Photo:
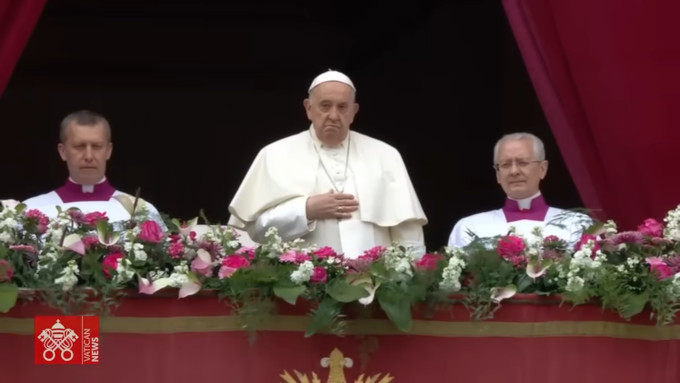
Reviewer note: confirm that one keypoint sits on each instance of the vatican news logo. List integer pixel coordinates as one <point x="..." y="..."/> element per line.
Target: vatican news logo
<point x="67" y="340"/>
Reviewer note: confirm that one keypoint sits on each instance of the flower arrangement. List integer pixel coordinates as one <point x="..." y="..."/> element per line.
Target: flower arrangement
<point x="83" y="263"/>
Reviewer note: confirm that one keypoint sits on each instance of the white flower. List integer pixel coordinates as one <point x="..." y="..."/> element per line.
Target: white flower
<point x="124" y="271"/>
<point x="451" y="273"/>
<point x="179" y="275"/>
<point x="6" y="237"/>
<point x="68" y="277"/>
<point x="610" y="228"/>
<point x="303" y="273"/>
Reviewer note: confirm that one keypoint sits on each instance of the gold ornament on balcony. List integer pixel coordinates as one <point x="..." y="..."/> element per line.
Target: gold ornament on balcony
<point x="336" y="362"/>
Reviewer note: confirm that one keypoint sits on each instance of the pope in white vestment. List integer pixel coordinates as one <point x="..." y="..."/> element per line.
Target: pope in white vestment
<point x="519" y="160"/>
<point x="288" y="174"/>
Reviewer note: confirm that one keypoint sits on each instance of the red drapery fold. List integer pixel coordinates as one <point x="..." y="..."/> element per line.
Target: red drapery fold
<point x="607" y="74"/>
<point x="17" y="21"/>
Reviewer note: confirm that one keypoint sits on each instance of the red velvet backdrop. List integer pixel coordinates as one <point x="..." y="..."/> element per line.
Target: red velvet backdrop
<point x="607" y="74"/>
<point x="17" y="20"/>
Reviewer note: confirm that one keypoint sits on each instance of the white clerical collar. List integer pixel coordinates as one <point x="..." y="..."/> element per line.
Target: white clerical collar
<point x="320" y="144"/>
<point x="87" y="188"/>
<point x="525" y="203"/>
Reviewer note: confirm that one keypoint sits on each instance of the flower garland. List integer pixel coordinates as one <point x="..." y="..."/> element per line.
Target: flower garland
<point x="66" y="258"/>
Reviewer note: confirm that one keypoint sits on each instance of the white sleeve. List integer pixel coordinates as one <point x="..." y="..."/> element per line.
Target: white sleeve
<point x="289" y="218"/>
<point x="459" y="236"/>
<point x="409" y="234"/>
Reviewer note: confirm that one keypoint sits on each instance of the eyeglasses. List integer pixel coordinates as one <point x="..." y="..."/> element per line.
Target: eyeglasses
<point x="521" y="164"/>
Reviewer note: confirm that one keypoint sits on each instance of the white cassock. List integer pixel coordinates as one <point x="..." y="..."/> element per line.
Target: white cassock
<point x="286" y="172"/>
<point x="102" y="197"/>
<point x="524" y="216"/>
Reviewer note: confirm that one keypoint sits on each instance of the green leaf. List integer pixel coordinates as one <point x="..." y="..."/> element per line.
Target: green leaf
<point x="21" y="207"/>
<point x="523" y="283"/>
<point x="289" y="294"/>
<point x="396" y="307"/>
<point x="361" y="279"/>
<point x="379" y="269"/>
<point x="636" y="303"/>
<point x="325" y="316"/>
<point x="342" y="291"/>
<point x="8" y="296"/>
<point x="177" y="223"/>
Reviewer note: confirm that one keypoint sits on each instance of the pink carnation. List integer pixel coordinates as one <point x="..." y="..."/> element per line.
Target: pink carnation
<point x="325" y="252"/>
<point x="511" y="246"/>
<point x="651" y="228"/>
<point x="39" y="219"/>
<point x="94" y="218"/>
<point x="585" y="238"/>
<point x="247" y="251"/>
<point x="176" y="250"/>
<point x="90" y="241"/>
<point x="374" y="253"/>
<point x="429" y="261"/>
<point x="231" y="264"/>
<point x="659" y="267"/>
<point x="294" y="257"/>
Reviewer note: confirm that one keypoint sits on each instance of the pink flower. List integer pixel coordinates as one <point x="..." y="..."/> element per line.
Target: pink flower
<point x="585" y="238"/>
<point x="511" y="246"/>
<point x="651" y="228"/>
<point x="247" y="251"/>
<point x="90" y="241"/>
<point x="325" y="252"/>
<point x="659" y="267"/>
<point x="319" y="275"/>
<point x="551" y="239"/>
<point x="6" y="271"/>
<point x="41" y="221"/>
<point x="231" y="264"/>
<point x="201" y="267"/>
<point x="151" y="232"/>
<point x="25" y="248"/>
<point x="373" y="253"/>
<point x="429" y="261"/>
<point x="111" y="262"/>
<point x="94" y="218"/>
<point x="214" y="248"/>
<point x="294" y="257"/>
<point x="176" y="250"/>
<point x="627" y="237"/>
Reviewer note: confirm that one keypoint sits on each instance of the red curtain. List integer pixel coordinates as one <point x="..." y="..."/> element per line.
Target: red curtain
<point x="17" y="20"/>
<point x="607" y="74"/>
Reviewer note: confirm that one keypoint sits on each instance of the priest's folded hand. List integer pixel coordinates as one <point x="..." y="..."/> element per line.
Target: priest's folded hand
<point x="331" y="205"/>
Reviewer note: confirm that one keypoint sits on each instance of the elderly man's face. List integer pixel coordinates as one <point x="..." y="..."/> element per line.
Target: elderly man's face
<point x="331" y="109"/>
<point x="518" y="170"/>
<point x="85" y="151"/>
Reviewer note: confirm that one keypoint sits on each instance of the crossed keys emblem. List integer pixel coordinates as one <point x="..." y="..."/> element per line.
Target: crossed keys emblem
<point x="58" y="338"/>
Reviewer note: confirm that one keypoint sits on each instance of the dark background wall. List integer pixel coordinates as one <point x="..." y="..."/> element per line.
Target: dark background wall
<point x="194" y="89"/>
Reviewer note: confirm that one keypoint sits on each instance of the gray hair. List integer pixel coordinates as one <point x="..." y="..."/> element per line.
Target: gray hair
<point x="83" y="118"/>
<point x="539" y="149"/>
